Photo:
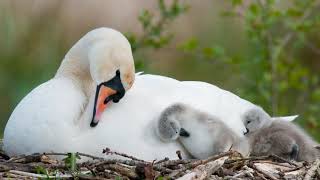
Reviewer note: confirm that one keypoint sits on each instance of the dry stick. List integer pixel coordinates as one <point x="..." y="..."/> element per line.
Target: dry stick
<point x="90" y="156"/>
<point x="312" y="170"/>
<point x="199" y="162"/>
<point x="176" y="162"/>
<point x="293" y="169"/>
<point x="244" y="173"/>
<point x="39" y="175"/>
<point x="26" y="158"/>
<point x="88" y="177"/>
<point x="162" y="169"/>
<point x="122" y="170"/>
<point x="284" y="160"/>
<point x="163" y="160"/>
<point x="108" y="151"/>
<point x="260" y="175"/>
<point x="114" y="161"/>
<point x="252" y="158"/>
<point x="204" y="171"/>
<point x="275" y="163"/>
<point x="80" y="154"/>
<point x="262" y="172"/>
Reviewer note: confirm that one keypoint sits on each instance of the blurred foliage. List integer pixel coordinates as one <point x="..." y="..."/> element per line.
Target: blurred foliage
<point x="275" y="73"/>
<point x="154" y="29"/>
<point x="25" y="50"/>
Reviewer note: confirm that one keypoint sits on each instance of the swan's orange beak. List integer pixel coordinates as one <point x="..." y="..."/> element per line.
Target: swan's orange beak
<point x="107" y="91"/>
<point x="102" y="99"/>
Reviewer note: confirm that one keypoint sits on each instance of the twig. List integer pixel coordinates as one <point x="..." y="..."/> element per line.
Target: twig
<point x="39" y="175"/>
<point x="275" y="163"/>
<point x="293" y="169"/>
<point x="114" y="161"/>
<point x="284" y="160"/>
<point x="176" y="162"/>
<point x="247" y="171"/>
<point x="260" y="175"/>
<point x="203" y="171"/>
<point x="121" y="170"/>
<point x="108" y="151"/>
<point x="90" y="156"/>
<point x="312" y="170"/>
<point x="161" y="161"/>
<point x="80" y="154"/>
<point x="262" y="172"/>
<point x="199" y="162"/>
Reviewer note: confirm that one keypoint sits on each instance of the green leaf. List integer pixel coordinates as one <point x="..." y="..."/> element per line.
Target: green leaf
<point x="189" y="45"/>
<point x="236" y="2"/>
<point x="118" y="178"/>
<point x="71" y="161"/>
<point x="228" y="14"/>
<point x="208" y="52"/>
<point x="42" y="170"/>
<point x="291" y="12"/>
<point x="315" y="95"/>
<point x="145" y="18"/>
<point x="162" y="7"/>
<point x="254" y="9"/>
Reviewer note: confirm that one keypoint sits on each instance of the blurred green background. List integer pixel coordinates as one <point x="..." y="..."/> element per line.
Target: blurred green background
<point x="265" y="51"/>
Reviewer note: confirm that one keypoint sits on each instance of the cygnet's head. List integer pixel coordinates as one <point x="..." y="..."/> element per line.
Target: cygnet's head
<point x="254" y="119"/>
<point x="111" y="65"/>
<point x="169" y="130"/>
<point x="169" y="127"/>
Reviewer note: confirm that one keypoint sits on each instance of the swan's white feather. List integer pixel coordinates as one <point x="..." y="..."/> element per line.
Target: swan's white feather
<point x="56" y="115"/>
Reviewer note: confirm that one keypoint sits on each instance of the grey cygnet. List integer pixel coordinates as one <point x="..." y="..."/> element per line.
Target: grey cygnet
<point x="278" y="137"/>
<point x="202" y="135"/>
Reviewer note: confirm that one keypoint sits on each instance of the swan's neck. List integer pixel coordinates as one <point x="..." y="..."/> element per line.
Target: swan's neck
<point x="77" y="69"/>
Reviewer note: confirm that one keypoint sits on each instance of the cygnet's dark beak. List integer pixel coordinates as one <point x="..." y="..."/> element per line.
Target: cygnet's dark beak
<point x="294" y="152"/>
<point x="247" y="131"/>
<point x="184" y="133"/>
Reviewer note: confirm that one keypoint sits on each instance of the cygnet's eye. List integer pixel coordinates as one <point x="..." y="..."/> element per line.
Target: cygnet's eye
<point x="248" y="122"/>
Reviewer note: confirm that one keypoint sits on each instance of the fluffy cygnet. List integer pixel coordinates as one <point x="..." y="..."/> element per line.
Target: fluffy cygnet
<point x="278" y="137"/>
<point x="201" y="134"/>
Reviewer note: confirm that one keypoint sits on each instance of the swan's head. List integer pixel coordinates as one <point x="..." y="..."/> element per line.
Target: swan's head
<point x="111" y="68"/>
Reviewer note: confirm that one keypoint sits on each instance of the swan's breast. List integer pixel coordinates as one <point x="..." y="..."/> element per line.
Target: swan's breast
<point x="44" y="119"/>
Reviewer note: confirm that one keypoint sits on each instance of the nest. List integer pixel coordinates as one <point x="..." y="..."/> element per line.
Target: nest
<point x="228" y="165"/>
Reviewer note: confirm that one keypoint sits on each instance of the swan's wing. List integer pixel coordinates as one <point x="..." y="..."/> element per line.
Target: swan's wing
<point x="218" y="102"/>
<point x="139" y="73"/>
<point x="286" y="118"/>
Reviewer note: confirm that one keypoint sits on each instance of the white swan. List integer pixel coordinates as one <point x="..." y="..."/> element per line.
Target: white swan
<point x="56" y="116"/>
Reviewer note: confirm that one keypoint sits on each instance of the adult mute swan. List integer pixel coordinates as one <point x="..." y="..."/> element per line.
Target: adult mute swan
<point x="79" y="109"/>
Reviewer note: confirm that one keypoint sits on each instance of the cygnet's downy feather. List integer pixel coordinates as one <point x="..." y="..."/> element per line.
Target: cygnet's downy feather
<point x="278" y="137"/>
<point x="202" y="135"/>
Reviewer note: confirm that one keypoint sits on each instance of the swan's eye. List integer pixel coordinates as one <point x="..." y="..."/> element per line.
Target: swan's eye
<point x="248" y="122"/>
<point x="118" y="72"/>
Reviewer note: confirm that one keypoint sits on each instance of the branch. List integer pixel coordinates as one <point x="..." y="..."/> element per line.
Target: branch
<point x="312" y="171"/>
<point x="204" y="171"/>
